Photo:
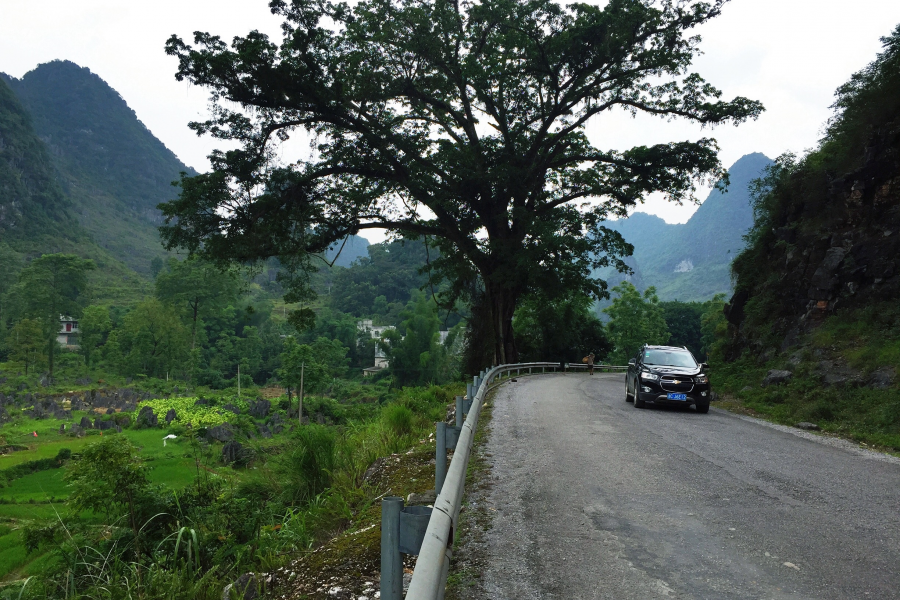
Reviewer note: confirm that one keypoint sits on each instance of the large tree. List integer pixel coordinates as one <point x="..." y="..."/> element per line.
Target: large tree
<point x="460" y="122"/>
<point x="51" y="287"/>
<point x="197" y="288"/>
<point x="634" y="320"/>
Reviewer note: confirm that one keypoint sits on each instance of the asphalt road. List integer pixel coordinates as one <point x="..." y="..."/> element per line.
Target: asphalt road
<point x="593" y="498"/>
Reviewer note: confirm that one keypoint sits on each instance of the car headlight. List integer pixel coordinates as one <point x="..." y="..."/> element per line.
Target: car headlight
<point x="649" y="376"/>
<point x="701" y="379"/>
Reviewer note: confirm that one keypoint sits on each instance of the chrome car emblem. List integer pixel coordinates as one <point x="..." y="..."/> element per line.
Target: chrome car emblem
<point x="676" y="382"/>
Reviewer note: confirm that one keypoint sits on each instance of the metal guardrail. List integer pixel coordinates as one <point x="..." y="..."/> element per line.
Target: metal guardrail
<point x="402" y="527"/>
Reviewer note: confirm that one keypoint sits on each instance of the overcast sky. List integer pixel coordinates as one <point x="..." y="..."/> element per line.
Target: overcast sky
<point x="790" y="54"/>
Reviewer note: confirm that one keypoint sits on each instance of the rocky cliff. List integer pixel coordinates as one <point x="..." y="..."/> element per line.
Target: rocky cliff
<point x="826" y="237"/>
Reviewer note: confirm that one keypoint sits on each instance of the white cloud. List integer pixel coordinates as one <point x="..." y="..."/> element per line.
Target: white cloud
<point x="790" y="54"/>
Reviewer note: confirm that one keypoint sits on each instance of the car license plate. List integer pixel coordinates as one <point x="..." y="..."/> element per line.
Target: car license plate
<point x="677" y="396"/>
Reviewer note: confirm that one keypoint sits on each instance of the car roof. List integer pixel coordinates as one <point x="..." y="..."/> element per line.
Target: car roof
<point x="667" y="348"/>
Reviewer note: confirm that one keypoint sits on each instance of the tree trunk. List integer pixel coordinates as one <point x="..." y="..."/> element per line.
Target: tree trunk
<point x="50" y="349"/>
<point x="503" y="305"/>
<point x="196" y="307"/>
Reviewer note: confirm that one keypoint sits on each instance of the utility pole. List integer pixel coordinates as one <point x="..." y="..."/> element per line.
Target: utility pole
<point x="300" y="406"/>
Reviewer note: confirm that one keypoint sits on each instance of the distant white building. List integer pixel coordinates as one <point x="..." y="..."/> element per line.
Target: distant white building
<point x="376" y="332"/>
<point x="68" y="332"/>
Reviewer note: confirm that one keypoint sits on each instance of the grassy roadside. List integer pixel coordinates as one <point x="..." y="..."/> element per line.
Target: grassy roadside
<point x="843" y="379"/>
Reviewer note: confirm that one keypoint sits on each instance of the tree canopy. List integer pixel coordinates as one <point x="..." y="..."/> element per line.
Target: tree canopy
<point x="635" y="319"/>
<point x="463" y="123"/>
<point x="51" y="287"/>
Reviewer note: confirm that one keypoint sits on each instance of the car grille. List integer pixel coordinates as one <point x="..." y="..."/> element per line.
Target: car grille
<point x="676" y="384"/>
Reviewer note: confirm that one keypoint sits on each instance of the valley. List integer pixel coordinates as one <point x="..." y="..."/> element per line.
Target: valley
<point x="211" y="379"/>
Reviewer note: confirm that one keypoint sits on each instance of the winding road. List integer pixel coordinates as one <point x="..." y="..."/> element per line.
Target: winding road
<point x="593" y="498"/>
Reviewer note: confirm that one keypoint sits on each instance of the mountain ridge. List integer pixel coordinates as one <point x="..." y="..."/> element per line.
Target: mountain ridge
<point x="691" y="261"/>
<point x="111" y="166"/>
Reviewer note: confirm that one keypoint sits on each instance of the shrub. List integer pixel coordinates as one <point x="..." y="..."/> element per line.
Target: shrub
<point x="306" y="465"/>
<point x="398" y="418"/>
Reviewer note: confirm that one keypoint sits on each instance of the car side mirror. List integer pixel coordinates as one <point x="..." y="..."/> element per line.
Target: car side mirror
<point x="704" y="366"/>
<point x="631" y="362"/>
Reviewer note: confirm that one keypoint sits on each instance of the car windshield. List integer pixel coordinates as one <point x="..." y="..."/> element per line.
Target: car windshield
<point x="669" y="358"/>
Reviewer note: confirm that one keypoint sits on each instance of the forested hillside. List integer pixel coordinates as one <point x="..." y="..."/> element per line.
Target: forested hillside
<point x="817" y="286"/>
<point x="31" y="201"/>
<point x="691" y="261"/>
<point x="111" y="167"/>
<point x="37" y="216"/>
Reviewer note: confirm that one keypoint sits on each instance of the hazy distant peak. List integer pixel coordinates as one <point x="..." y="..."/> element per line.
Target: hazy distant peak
<point x="747" y="168"/>
<point x="646" y="219"/>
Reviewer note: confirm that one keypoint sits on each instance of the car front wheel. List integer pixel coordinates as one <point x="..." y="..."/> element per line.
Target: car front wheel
<point x="638" y="403"/>
<point x="702" y="407"/>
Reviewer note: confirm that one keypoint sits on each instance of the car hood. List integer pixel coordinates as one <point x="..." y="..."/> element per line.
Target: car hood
<point x="691" y="371"/>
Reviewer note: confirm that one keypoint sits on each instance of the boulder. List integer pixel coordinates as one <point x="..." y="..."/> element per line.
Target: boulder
<point x="232" y="408"/>
<point x="426" y="497"/>
<point x="246" y="587"/>
<point x="234" y="453"/>
<point x="835" y="374"/>
<point x="76" y="430"/>
<point x="170" y="416"/>
<point x="85" y="423"/>
<point x="825" y="278"/>
<point x="231" y="452"/>
<point x="260" y="409"/>
<point x="807" y="426"/>
<point x="147" y="418"/>
<point x="776" y="377"/>
<point x="220" y="433"/>
<point x="882" y="378"/>
<point x="106" y="425"/>
<point x="276" y="423"/>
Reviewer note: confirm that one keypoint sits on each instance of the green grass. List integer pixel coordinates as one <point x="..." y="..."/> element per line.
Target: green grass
<point x="864" y="340"/>
<point x="12" y="553"/>
<point x="30" y="512"/>
<point x="39" y="487"/>
<point x="859" y="413"/>
<point x="403" y="424"/>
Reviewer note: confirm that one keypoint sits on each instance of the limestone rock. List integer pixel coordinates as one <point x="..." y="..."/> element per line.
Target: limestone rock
<point x="260" y="409"/>
<point x="220" y="433"/>
<point x="882" y="378"/>
<point x="776" y="377"/>
<point x="427" y="497"/>
<point x="147" y="418"/>
<point x="246" y="587"/>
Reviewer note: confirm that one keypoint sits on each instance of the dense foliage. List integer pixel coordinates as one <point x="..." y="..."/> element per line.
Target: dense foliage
<point x="635" y="319"/>
<point x="439" y="120"/>
<point x="830" y="197"/>
<point x="32" y="202"/>
<point x="113" y="170"/>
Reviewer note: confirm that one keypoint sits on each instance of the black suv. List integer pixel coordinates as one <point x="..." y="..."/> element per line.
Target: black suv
<point x="667" y="375"/>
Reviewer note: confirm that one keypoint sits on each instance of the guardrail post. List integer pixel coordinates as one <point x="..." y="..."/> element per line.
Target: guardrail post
<point x="440" y="457"/>
<point x="459" y="411"/>
<point x="391" y="561"/>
